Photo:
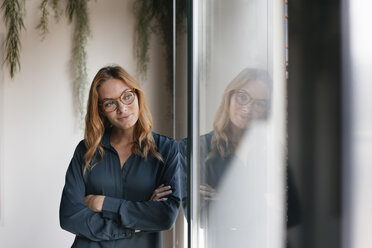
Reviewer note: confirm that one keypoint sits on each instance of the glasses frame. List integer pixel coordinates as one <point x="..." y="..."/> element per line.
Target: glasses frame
<point x="117" y="99"/>
<point x="250" y="101"/>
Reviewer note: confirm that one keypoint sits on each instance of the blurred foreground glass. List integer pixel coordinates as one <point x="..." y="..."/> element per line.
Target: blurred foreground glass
<point x="237" y="192"/>
<point x="357" y="124"/>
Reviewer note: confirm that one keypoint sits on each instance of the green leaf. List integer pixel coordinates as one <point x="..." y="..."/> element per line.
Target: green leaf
<point x="13" y="18"/>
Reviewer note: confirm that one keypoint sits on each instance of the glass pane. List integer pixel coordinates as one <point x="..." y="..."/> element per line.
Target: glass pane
<point x="357" y="123"/>
<point x="238" y="161"/>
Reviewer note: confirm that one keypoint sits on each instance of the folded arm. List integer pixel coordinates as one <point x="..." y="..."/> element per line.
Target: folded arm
<point x="150" y="215"/>
<point x="76" y="217"/>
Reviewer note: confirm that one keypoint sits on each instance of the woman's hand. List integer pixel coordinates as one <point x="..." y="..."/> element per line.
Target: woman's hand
<point x="94" y="202"/>
<point x="160" y="193"/>
<point x="208" y="192"/>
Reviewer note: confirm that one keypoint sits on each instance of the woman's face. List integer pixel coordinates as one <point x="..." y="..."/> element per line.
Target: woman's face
<point x="115" y="91"/>
<point x="248" y="104"/>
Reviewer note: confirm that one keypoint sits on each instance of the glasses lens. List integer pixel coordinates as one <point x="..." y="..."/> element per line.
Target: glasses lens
<point x="110" y="105"/>
<point x="127" y="97"/>
<point x="242" y="98"/>
<point x="260" y="105"/>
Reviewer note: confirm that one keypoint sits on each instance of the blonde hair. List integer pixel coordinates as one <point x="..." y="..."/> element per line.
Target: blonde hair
<point x="96" y="123"/>
<point x="221" y="141"/>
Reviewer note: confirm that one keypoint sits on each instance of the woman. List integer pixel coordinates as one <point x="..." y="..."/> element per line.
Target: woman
<point x="121" y="186"/>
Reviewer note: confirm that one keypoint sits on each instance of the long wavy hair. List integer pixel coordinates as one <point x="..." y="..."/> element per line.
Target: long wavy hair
<point x="222" y="126"/>
<point x="96" y="123"/>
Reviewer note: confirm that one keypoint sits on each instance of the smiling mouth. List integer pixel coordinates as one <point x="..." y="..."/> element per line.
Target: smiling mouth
<point x="245" y="116"/>
<point x="124" y="117"/>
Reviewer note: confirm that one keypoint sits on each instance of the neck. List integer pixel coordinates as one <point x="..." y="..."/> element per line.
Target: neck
<point x="120" y="136"/>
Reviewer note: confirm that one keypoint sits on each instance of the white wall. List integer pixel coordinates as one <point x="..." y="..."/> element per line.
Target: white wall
<point x="39" y="129"/>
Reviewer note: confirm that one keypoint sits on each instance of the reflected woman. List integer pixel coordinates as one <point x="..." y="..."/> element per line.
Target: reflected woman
<point x="121" y="186"/>
<point x="233" y="163"/>
<point x="245" y="100"/>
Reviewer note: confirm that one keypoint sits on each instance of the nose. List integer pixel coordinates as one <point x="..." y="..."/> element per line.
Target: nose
<point x="247" y="108"/>
<point x="122" y="107"/>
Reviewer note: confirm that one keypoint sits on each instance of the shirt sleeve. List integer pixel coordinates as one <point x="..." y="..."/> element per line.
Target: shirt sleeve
<point x="76" y="217"/>
<point x="151" y="215"/>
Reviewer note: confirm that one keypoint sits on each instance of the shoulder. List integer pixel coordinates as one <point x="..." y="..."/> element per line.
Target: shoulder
<point x="77" y="161"/>
<point x="206" y="143"/>
<point x="80" y="149"/>
<point x="207" y="138"/>
<point x="164" y="144"/>
<point x="203" y="139"/>
<point x="162" y="139"/>
<point x="81" y="146"/>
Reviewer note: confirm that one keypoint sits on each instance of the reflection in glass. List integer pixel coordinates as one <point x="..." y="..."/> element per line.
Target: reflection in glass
<point x="233" y="163"/>
<point x="237" y="157"/>
<point x="235" y="198"/>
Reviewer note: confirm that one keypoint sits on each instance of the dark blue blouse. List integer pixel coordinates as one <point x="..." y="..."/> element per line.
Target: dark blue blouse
<point x="126" y="207"/>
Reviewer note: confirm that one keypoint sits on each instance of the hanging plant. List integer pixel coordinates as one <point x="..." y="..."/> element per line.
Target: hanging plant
<point x="13" y="18"/>
<point x="143" y="11"/>
<point x="77" y="10"/>
<point x="153" y="16"/>
<point x="43" y="24"/>
<point x="44" y="19"/>
<point x="156" y="16"/>
<point x="56" y="8"/>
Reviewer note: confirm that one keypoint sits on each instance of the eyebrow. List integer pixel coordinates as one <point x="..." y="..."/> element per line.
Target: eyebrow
<point x="128" y="89"/>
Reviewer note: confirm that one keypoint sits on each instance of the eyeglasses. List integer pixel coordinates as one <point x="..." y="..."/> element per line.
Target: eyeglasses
<point x="243" y="98"/>
<point x="127" y="98"/>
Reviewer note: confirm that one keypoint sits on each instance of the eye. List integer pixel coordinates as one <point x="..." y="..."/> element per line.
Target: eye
<point x="127" y="97"/>
<point x="108" y="104"/>
<point x="242" y="98"/>
<point x="260" y="104"/>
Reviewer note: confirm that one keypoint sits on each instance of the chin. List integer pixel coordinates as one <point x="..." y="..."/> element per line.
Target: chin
<point x="243" y="126"/>
<point x="129" y="126"/>
<point x="240" y="125"/>
<point x="125" y="126"/>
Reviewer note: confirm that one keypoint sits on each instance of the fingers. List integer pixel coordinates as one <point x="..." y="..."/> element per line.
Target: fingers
<point x="94" y="202"/>
<point x="160" y="193"/>
<point x="159" y="196"/>
<point x="207" y="192"/>
<point x="165" y="193"/>
<point x="161" y="189"/>
<point x="206" y="189"/>
<point x="87" y="199"/>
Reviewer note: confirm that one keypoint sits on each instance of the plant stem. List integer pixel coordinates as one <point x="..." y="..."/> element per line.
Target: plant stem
<point x="13" y="18"/>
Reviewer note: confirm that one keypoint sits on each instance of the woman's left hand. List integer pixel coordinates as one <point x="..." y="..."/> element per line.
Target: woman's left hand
<point x="160" y="193"/>
<point x="94" y="202"/>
